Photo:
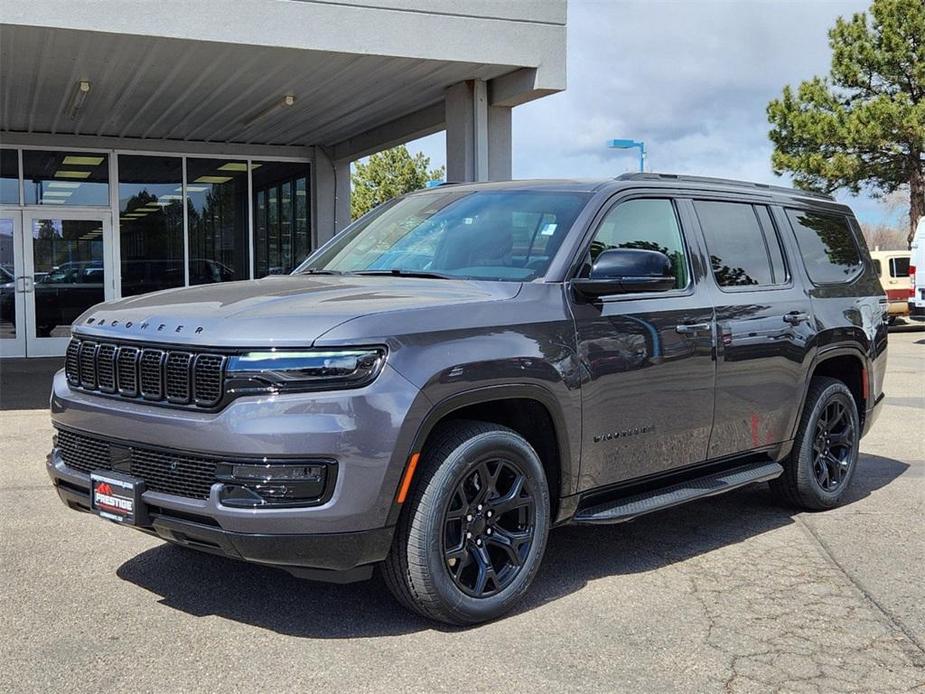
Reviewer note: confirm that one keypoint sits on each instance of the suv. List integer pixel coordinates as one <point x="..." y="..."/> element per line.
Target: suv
<point x="468" y="366"/>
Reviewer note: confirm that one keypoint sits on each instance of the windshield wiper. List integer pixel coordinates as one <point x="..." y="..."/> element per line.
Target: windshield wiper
<point x="396" y="272"/>
<point x="316" y="271"/>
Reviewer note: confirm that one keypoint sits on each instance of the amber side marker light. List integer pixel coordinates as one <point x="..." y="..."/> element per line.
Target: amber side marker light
<point x="406" y="479"/>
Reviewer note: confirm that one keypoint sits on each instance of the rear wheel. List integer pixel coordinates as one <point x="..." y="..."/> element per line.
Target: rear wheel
<point x="473" y="533"/>
<point x="825" y="451"/>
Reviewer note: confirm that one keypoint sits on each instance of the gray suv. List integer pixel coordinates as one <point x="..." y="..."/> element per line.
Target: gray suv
<point x="469" y="366"/>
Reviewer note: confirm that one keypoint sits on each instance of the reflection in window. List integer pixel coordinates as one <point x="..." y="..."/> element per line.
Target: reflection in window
<point x="740" y="253"/>
<point x="7" y="281"/>
<point x="648" y="224"/>
<point x="9" y="177"/>
<point x="150" y="223"/>
<point x="65" y="178"/>
<point x="281" y="231"/>
<point x="69" y="276"/>
<point x="827" y="245"/>
<point x="217" y="208"/>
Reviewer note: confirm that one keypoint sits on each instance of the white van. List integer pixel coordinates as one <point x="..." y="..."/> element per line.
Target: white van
<point x="893" y="269"/>
<point x="917" y="273"/>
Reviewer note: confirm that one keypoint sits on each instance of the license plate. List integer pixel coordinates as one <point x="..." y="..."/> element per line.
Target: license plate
<point x="117" y="497"/>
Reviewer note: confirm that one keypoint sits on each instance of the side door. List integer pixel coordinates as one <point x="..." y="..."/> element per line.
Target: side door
<point x="764" y="322"/>
<point x="646" y="358"/>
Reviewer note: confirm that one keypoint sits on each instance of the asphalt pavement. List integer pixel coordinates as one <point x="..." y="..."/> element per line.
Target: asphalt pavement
<point x="732" y="594"/>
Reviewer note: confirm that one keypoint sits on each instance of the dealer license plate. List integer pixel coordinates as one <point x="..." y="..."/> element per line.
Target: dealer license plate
<point x="117" y="497"/>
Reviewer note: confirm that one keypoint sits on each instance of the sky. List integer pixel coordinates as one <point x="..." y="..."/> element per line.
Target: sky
<point x="691" y="78"/>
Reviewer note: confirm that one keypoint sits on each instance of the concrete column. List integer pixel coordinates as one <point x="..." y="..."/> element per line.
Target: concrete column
<point x="499" y="143"/>
<point x="467" y="131"/>
<point x="330" y="196"/>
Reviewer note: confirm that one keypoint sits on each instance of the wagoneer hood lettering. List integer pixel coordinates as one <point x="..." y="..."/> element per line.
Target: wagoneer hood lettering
<point x="290" y="310"/>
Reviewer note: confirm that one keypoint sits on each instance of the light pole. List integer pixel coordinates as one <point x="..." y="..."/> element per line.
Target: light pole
<point x="631" y="144"/>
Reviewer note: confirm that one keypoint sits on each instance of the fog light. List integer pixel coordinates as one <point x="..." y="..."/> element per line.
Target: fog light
<point x="274" y="484"/>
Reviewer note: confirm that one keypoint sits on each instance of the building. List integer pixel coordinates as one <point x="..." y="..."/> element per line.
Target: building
<point x="154" y="145"/>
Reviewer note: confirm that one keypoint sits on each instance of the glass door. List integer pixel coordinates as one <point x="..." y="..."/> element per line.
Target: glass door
<point x="68" y="266"/>
<point x="12" y="285"/>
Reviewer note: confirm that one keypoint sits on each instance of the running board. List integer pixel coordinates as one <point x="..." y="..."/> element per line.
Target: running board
<point x="630" y="507"/>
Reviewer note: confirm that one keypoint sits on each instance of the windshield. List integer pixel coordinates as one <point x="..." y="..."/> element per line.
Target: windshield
<point x="488" y="235"/>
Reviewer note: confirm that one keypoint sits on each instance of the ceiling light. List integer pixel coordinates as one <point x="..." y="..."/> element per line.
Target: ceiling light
<point x="72" y="174"/>
<point x="286" y="102"/>
<point x="56" y="193"/>
<point x="74" y="160"/>
<point x="62" y="184"/>
<point x="81" y="92"/>
<point x="171" y="197"/>
<point x="213" y="179"/>
<point x="233" y="166"/>
<point x="197" y="189"/>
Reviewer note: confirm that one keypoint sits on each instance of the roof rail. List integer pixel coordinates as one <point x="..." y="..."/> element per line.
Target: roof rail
<point x="683" y="178"/>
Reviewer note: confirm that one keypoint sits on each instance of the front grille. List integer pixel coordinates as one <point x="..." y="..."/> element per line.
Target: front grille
<point x="156" y="375"/>
<point x="169" y="472"/>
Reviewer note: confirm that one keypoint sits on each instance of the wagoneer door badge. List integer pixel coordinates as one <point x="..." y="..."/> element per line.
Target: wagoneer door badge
<point x="635" y="431"/>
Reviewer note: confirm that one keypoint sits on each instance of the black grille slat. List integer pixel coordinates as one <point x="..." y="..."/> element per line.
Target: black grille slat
<point x="106" y="368"/>
<point x="88" y="365"/>
<point x="177" y="377"/>
<point x="72" y="362"/>
<point x="155" y="375"/>
<point x="127" y="369"/>
<point x="207" y="379"/>
<point x="166" y="472"/>
<point x="151" y="374"/>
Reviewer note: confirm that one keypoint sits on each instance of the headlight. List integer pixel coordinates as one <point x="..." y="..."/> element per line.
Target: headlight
<point x="279" y="370"/>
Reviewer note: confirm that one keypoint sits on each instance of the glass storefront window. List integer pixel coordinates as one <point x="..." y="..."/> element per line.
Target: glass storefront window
<point x="281" y="231"/>
<point x="217" y="220"/>
<point x="65" y="178"/>
<point x="7" y="281"/>
<point x="9" y="177"/>
<point x="69" y="274"/>
<point x="150" y="223"/>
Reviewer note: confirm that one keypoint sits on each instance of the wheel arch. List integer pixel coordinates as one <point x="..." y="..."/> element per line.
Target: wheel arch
<point x="530" y="410"/>
<point x="846" y="363"/>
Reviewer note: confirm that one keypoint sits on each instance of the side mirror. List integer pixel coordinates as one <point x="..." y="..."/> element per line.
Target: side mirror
<point x="626" y="270"/>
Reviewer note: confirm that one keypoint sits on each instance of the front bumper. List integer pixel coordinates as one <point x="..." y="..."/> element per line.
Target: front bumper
<point x="366" y="432"/>
<point x="917" y="311"/>
<point x="334" y="557"/>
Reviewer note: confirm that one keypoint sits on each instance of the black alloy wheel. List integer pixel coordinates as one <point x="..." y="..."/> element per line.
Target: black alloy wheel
<point x="488" y="528"/>
<point x="473" y="530"/>
<point x="833" y="445"/>
<point x="822" y="462"/>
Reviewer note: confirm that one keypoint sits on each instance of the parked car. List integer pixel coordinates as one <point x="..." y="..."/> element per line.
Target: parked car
<point x="469" y="366"/>
<point x="893" y="269"/>
<point x="917" y="272"/>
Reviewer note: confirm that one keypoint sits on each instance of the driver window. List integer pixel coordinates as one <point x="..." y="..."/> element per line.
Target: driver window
<point x="650" y="224"/>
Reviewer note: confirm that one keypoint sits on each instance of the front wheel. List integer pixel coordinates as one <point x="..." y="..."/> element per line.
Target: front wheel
<point x="825" y="452"/>
<point x="471" y="538"/>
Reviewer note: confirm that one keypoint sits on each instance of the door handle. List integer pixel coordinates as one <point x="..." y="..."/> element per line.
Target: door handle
<point x="26" y="286"/>
<point x="688" y="328"/>
<point x="796" y="317"/>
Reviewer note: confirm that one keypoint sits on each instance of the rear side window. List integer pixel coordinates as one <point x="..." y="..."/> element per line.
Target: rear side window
<point x="878" y="267"/>
<point x="899" y="267"/>
<point x="744" y="248"/>
<point x="830" y="251"/>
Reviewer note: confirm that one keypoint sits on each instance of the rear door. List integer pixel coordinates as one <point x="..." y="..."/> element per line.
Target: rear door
<point x="764" y="323"/>
<point x="646" y="358"/>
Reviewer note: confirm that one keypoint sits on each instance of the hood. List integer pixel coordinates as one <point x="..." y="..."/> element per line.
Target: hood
<point x="292" y="310"/>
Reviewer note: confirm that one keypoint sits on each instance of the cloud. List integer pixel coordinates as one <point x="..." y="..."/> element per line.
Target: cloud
<point x="690" y="78"/>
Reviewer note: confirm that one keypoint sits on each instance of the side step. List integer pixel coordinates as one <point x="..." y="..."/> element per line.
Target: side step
<point x="630" y="507"/>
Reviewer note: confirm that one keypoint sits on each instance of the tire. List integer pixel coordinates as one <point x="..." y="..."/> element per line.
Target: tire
<point x="422" y="570"/>
<point x="803" y="483"/>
